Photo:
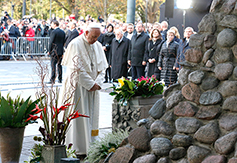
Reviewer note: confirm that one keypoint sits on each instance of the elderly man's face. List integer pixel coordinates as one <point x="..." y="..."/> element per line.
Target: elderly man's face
<point x="118" y="35"/>
<point x="92" y="35"/>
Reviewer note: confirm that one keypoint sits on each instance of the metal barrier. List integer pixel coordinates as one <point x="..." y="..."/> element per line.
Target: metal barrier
<point x="8" y="46"/>
<point x="24" y="46"/>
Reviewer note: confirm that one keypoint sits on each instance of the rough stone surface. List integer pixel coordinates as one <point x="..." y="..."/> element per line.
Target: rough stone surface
<point x="215" y="159"/>
<point x="230" y="104"/>
<point x="208" y="112"/>
<point x="232" y="160"/>
<point x="235" y="72"/>
<point x="187" y="125"/>
<point x="209" y="82"/>
<point x="222" y="55"/>
<point x="234" y="49"/>
<point x="228" y="88"/>
<point x="182" y="140"/>
<point x="183" y="76"/>
<point x="171" y="89"/>
<point x="177" y="153"/>
<point x="185" y="109"/>
<point x="196" y="76"/>
<point x="122" y="154"/>
<point x="174" y="99"/>
<point x="209" y="64"/>
<point x="207" y="24"/>
<point x="229" y="21"/>
<point x="228" y="6"/>
<point x="140" y="138"/>
<point x="225" y="144"/>
<point x="151" y="158"/>
<point x="210" y="98"/>
<point x="161" y="146"/>
<point x="164" y="160"/>
<point x="214" y="4"/>
<point x="209" y="41"/>
<point x="207" y="55"/>
<point x="196" y="40"/>
<point x="223" y="71"/>
<point x="158" y="109"/>
<point x="191" y="92"/>
<point x="168" y="117"/>
<point x="208" y="133"/>
<point x="161" y="127"/>
<point x="228" y="121"/>
<point x="196" y="154"/>
<point x="193" y="55"/>
<point x="183" y="161"/>
<point x="226" y="38"/>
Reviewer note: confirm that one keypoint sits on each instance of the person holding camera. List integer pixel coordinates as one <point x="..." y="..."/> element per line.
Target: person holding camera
<point x="29" y="34"/>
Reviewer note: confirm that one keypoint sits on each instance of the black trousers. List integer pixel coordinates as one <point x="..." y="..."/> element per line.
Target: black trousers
<point x="108" y="74"/>
<point x="56" y="61"/>
<point x="137" y="72"/>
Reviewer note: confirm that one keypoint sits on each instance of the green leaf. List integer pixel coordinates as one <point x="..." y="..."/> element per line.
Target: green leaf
<point x="5" y="113"/>
<point x="113" y="93"/>
<point x="21" y="112"/>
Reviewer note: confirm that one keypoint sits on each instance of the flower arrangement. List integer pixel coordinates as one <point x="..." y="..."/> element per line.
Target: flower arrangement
<point x="144" y="87"/>
<point x="55" y="126"/>
<point x="101" y="148"/>
<point x="56" y="119"/>
<point x="15" y="112"/>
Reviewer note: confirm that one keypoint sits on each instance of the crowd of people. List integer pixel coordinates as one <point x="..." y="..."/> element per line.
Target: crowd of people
<point x="131" y="49"/>
<point x="96" y="53"/>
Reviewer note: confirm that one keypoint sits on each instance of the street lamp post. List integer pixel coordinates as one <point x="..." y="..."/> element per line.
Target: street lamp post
<point x="184" y="5"/>
<point x="146" y="12"/>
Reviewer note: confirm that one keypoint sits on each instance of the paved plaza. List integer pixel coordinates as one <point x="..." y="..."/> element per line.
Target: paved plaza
<point x="19" y="77"/>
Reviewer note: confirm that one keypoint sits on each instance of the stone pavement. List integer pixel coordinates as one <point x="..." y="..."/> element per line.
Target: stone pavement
<point x="20" y="78"/>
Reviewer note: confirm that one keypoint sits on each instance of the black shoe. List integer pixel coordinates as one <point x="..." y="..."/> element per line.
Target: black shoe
<point x="60" y="81"/>
<point x="50" y="82"/>
<point x="106" y="81"/>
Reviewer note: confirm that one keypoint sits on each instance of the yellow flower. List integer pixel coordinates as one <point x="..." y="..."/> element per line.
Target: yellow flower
<point x="111" y="150"/>
<point x="121" y="81"/>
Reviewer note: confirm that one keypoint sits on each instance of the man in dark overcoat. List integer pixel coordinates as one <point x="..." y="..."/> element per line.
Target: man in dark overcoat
<point x="120" y="48"/>
<point x="139" y="50"/>
<point x="73" y="33"/>
<point x="56" y="43"/>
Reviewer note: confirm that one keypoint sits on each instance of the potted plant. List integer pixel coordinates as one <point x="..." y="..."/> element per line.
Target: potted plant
<point x="133" y="100"/>
<point x="56" y="119"/>
<point x="144" y="87"/>
<point x="13" y="119"/>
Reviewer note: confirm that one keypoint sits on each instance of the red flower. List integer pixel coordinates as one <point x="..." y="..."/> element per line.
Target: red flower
<point x="65" y="106"/>
<point x="32" y="117"/>
<point x="41" y="116"/>
<point x="77" y="114"/>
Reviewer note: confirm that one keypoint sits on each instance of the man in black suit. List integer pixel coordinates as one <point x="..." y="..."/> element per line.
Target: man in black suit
<point x="56" y="43"/>
<point x="139" y="50"/>
<point x="73" y="33"/>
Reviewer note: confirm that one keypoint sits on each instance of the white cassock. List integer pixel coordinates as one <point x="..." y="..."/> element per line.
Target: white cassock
<point x="86" y="65"/>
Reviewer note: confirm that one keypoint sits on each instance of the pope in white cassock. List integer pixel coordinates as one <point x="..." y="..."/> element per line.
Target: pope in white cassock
<point x="86" y="64"/>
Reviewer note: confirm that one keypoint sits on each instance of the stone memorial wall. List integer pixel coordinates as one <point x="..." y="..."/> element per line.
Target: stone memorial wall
<point x="196" y="120"/>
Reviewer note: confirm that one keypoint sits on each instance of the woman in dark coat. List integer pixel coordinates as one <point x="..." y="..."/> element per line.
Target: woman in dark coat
<point x="167" y="58"/>
<point x="154" y="46"/>
<point x="106" y="43"/>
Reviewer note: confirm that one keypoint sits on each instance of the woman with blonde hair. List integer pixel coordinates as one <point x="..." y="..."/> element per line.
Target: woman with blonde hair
<point x="154" y="45"/>
<point x="167" y="58"/>
<point x="176" y="35"/>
